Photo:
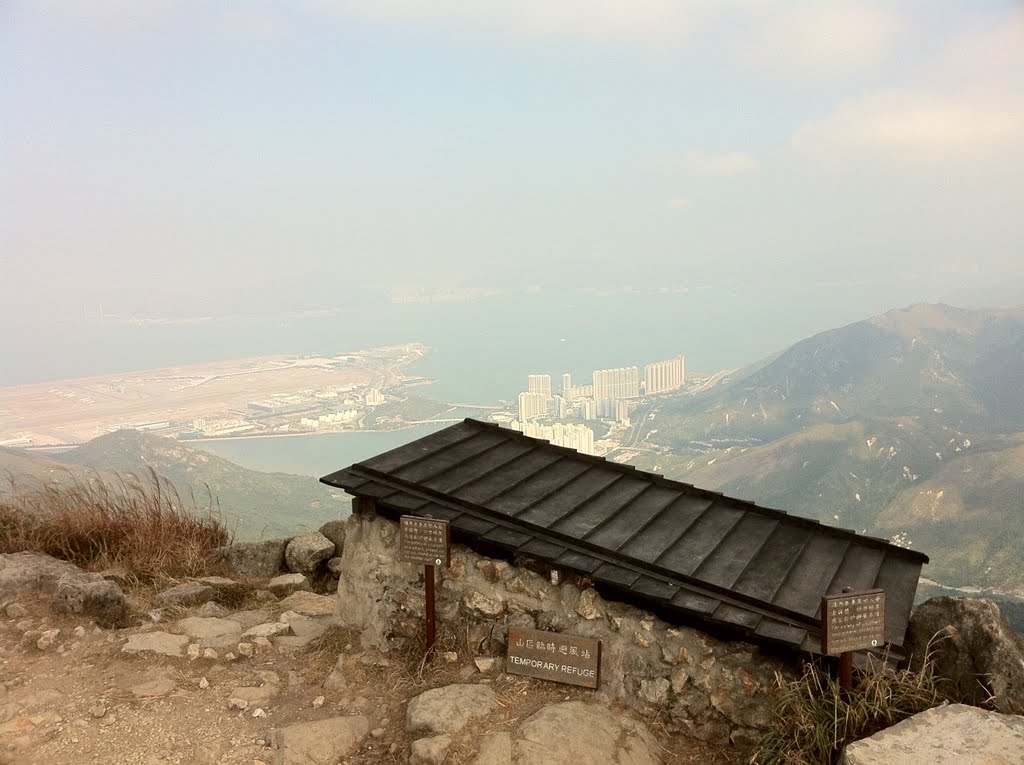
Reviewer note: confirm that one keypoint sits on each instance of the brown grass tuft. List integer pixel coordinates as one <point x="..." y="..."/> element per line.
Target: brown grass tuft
<point x="815" y="719"/>
<point x="141" y="526"/>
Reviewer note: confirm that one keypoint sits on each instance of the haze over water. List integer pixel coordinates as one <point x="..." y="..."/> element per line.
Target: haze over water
<point x="482" y="351"/>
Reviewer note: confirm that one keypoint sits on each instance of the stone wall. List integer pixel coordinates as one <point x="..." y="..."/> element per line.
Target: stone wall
<point x="708" y="688"/>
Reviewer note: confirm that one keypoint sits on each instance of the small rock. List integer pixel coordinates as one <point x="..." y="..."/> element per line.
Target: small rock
<point x="246" y="649"/>
<point x="249" y="619"/>
<point x="47" y="639"/>
<point x="187" y="594"/>
<point x="286" y="584"/>
<point x="336" y="681"/>
<point x="430" y="751"/>
<point x="654" y="691"/>
<point x="450" y="656"/>
<point x="16" y="611"/>
<point x="310" y="604"/>
<point x="79" y="631"/>
<point x="258" y="712"/>
<point x="318" y="702"/>
<point x="97" y="710"/>
<point x="208" y="627"/>
<point x="193" y="651"/>
<point x="477" y="603"/>
<point x="162" y="643"/>
<point x="377" y="732"/>
<point x="159" y="686"/>
<point x="268" y="630"/>
<point x="243" y="698"/>
<point x="209" y="653"/>
<point x="587" y="604"/>
<point x="487" y="663"/>
<point x="212" y="609"/>
<point x="227" y="589"/>
<point x="204" y="683"/>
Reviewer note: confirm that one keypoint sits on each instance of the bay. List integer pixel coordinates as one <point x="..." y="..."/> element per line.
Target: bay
<point x="312" y="455"/>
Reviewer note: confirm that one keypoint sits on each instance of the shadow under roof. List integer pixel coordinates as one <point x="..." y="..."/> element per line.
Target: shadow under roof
<point x="692" y="555"/>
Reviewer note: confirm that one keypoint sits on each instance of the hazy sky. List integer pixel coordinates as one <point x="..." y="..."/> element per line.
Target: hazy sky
<point x="160" y="156"/>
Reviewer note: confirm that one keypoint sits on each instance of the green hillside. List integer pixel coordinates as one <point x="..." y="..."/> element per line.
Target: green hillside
<point x="907" y="426"/>
<point x="254" y="504"/>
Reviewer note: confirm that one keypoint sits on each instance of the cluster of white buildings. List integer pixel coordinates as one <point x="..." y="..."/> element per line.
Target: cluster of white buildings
<point x="606" y="397"/>
<point x="571" y="435"/>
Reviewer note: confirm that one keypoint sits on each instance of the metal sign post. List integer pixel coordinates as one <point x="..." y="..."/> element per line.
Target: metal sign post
<point x="851" y="621"/>
<point x="426" y="541"/>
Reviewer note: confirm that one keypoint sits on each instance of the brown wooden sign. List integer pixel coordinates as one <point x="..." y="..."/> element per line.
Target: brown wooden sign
<point x="852" y="621"/>
<point x="554" y="656"/>
<point x="425" y="541"/>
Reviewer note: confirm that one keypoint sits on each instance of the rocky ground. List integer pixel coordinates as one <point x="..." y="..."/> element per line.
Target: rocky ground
<point x="231" y="673"/>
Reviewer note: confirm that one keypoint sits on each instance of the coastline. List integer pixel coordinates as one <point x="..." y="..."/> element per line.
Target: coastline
<point x="262" y="436"/>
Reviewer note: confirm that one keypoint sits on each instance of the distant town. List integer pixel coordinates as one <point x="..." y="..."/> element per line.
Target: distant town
<point x="609" y="397"/>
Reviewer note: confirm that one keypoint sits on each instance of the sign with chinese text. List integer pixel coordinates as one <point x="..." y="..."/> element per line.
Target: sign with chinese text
<point x="554" y="656"/>
<point x="423" y="540"/>
<point x="852" y="621"/>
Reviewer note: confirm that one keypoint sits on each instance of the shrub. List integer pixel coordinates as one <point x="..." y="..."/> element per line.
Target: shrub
<point x="814" y="719"/>
<point x="142" y="526"/>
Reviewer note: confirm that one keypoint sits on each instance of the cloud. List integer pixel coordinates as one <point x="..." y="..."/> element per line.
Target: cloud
<point x="966" y="106"/>
<point x="912" y="127"/>
<point x="818" y="41"/>
<point x="717" y="165"/>
<point x="622" y="21"/>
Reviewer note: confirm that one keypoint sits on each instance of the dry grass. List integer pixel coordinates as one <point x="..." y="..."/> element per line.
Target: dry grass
<point x="815" y="719"/>
<point x="141" y="526"/>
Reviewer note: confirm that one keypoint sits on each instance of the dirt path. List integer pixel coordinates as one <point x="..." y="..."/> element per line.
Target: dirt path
<point x="79" y="699"/>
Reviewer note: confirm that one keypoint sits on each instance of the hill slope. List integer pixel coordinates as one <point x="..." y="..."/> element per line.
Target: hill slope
<point x="254" y="504"/>
<point x="908" y="426"/>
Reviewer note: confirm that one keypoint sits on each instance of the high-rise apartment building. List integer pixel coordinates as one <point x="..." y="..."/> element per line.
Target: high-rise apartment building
<point x="540" y="384"/>
<point x="567" y="386"/>
<point x="623" y="382"/>
<point x="662" y="376"/>
<point x="532" y="406"/>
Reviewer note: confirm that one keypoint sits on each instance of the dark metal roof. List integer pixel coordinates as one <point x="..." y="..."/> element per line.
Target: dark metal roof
<point x="685" y="552"/>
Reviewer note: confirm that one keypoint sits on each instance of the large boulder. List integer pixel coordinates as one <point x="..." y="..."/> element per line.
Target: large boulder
<point x="335" y="531"/>
<point x="950" y="735"/>
<point x="92" y="595"/>
<point x="260" y="559"/>
<point x="323" y="742"/>
<point x="975" y="651"/>
<point x="24" y="572"/>
<point x="304" y="554"/>
<point x="574" y="732"/>
<point x="448" y="709"/>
